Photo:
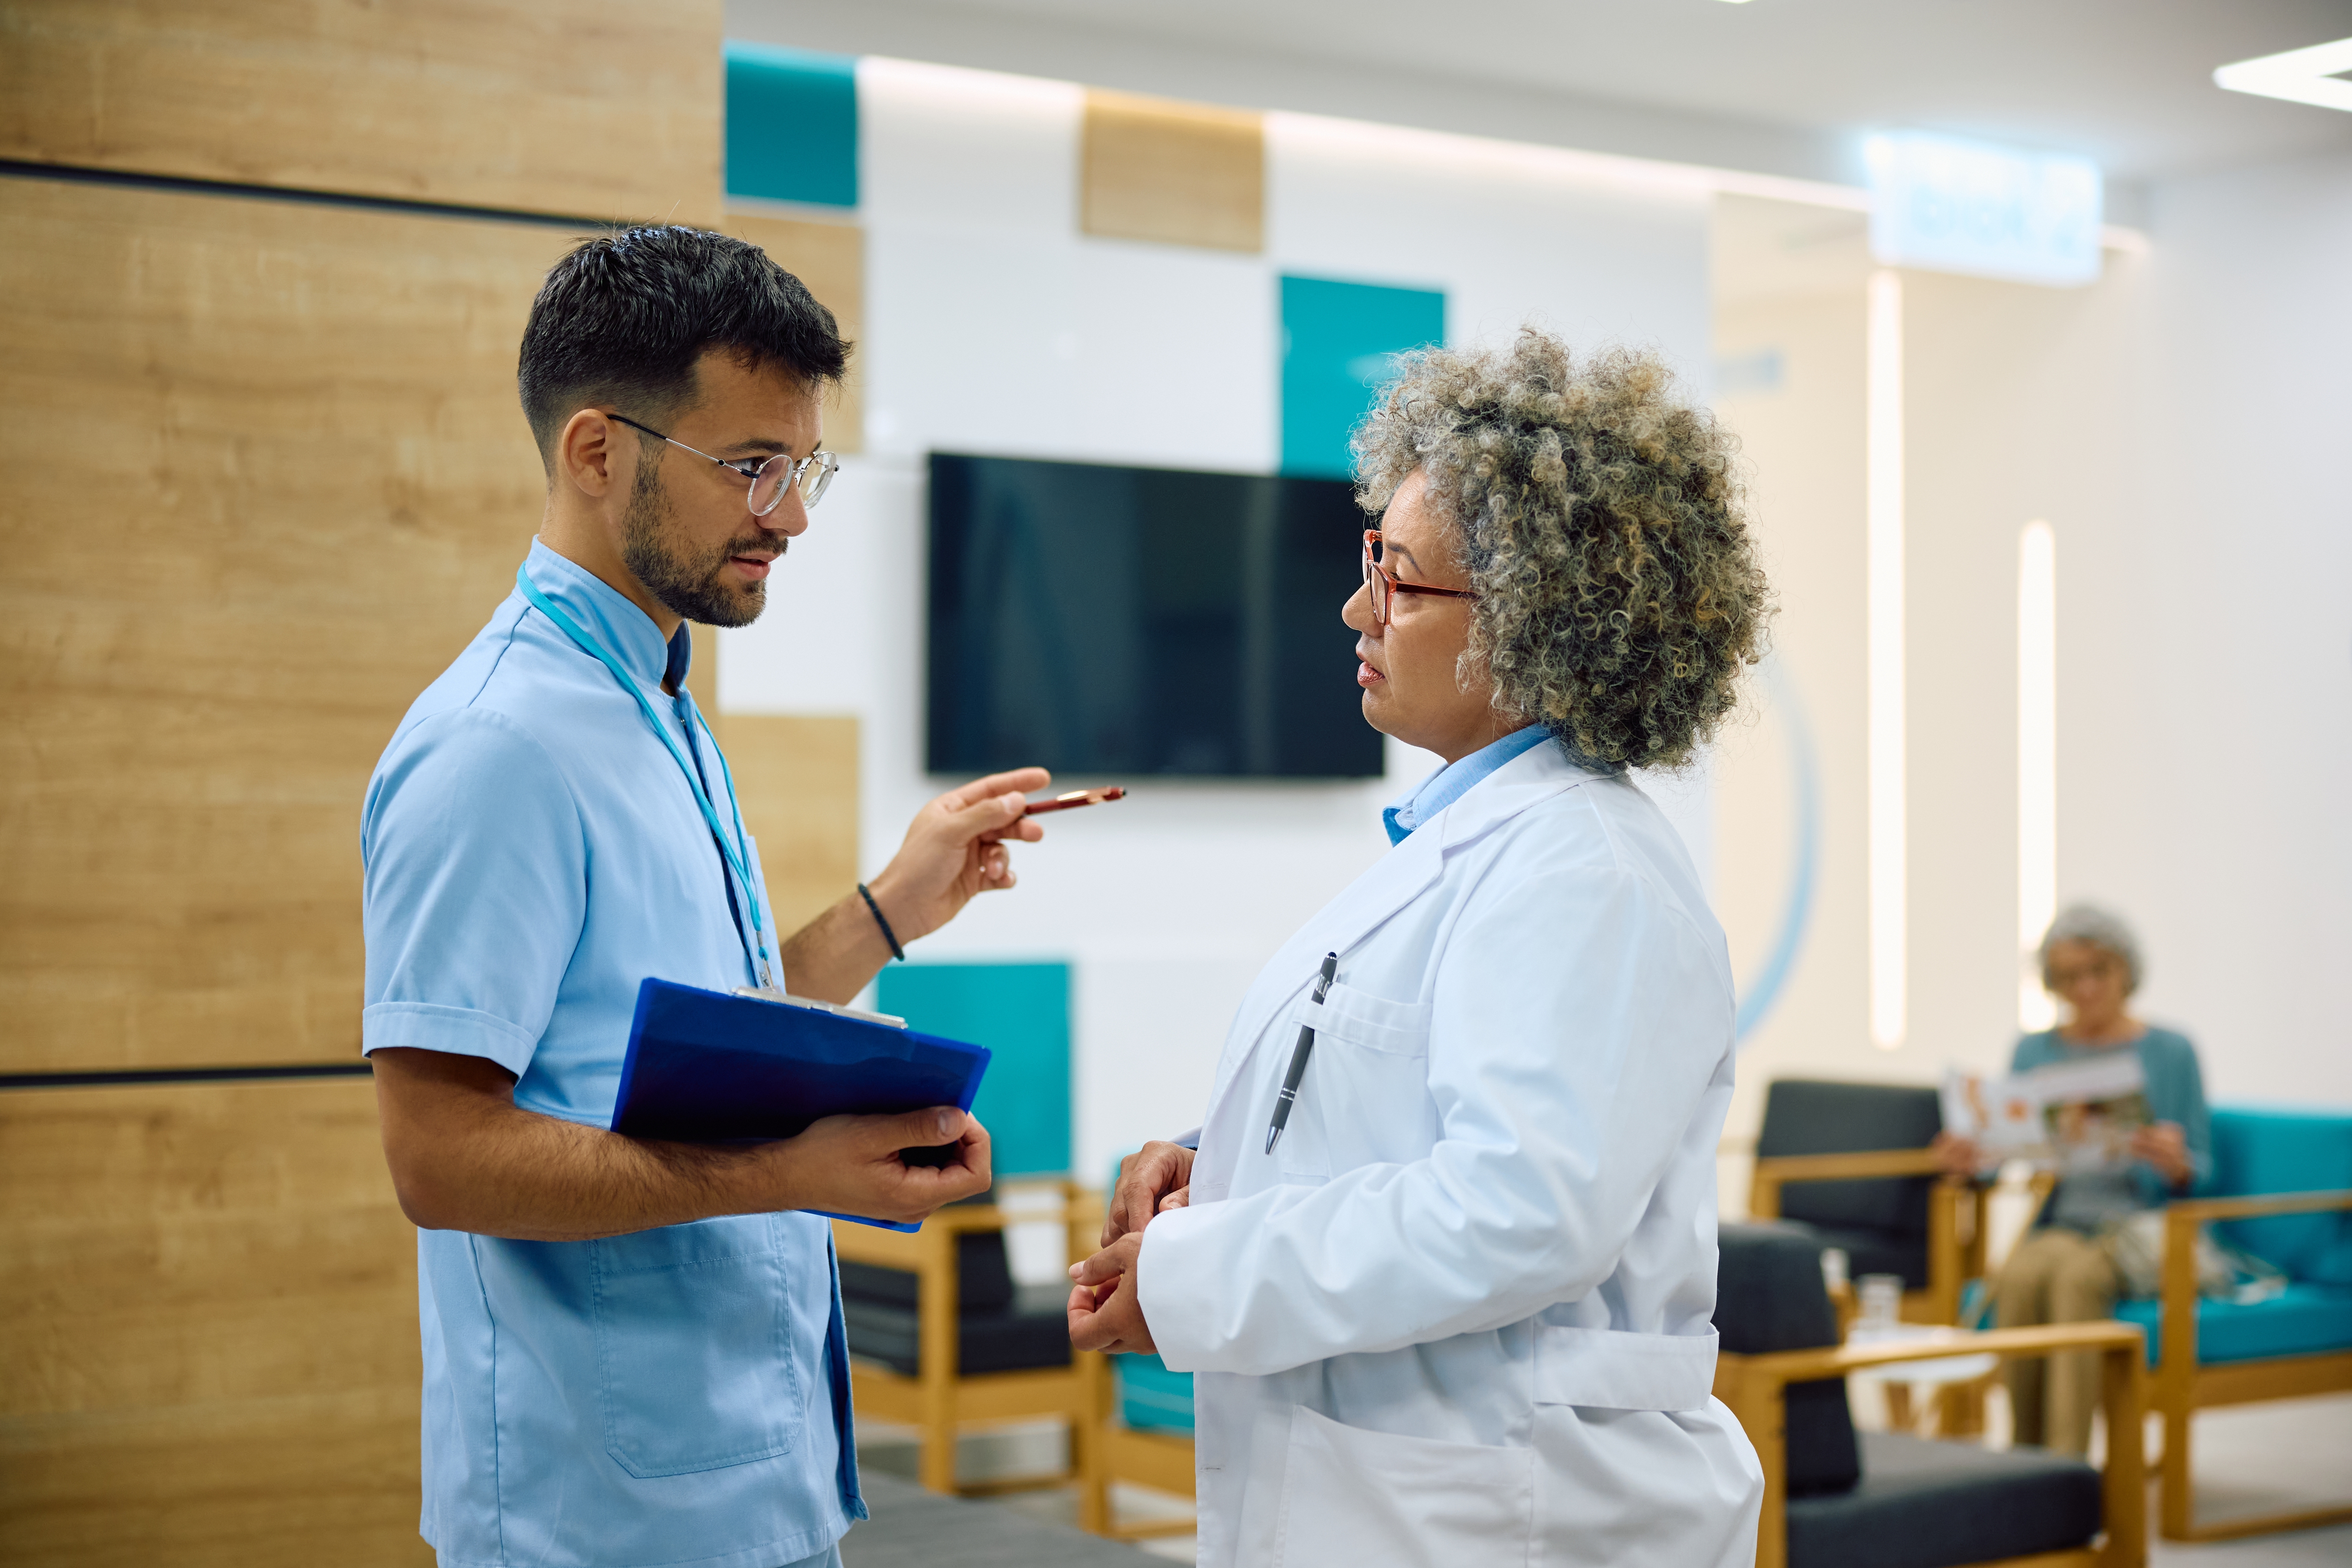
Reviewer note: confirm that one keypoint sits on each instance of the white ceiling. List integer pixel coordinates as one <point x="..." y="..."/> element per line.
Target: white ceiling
<point x="2129" y="82"/>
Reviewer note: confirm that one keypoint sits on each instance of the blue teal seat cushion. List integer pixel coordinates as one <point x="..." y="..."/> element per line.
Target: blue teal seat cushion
<point x="1150" y="1398"/>
<point x="2306" y="1319"/>
<point x="2262" y="1149"/>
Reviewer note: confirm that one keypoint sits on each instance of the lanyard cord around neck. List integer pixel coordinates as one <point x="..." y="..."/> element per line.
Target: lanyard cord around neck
<point x="736" y="861"/>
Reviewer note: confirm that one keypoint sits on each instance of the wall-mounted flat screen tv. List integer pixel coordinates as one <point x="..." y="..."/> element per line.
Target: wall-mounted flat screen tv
<point x="1104" y="620"/>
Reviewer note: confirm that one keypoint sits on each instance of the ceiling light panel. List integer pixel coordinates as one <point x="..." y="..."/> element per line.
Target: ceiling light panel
<point x="2299" y="76"/>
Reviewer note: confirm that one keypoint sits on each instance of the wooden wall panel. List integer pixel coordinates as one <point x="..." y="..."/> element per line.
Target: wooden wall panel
<point x="830" y="257"/>
<point x="1180" y="174"/>
<point x="267" y="476"/>
<point x="797" y="778"/>
<point x="599" y="109"/>
<point x="209" y="1347"/>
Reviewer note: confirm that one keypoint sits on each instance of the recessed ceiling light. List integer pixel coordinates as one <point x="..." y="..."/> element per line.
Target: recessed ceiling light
<point x="2299" y="76"/>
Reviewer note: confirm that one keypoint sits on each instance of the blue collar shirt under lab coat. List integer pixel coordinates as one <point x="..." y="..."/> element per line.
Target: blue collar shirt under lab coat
<point x="677" y="1396"/>
<point x="1451" y="782"/>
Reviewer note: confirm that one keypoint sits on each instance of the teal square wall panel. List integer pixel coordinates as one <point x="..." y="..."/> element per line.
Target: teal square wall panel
<point x="1021" y="1012"/>
<point x="1338" y="341"/>
<point x="792" y="125"/>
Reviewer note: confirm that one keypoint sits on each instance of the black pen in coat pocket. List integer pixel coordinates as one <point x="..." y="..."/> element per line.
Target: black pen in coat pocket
<point x="1289" y="1095"/>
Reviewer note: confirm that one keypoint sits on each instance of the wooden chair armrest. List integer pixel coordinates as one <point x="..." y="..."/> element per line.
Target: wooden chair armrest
<point x="1836" y="1360"/>
<point x="1768" y="1175"/>
<point x="1755" y="1389"/>
<point x="2178" y="1291"/>
<point x="1079" y="1211"/>
<point x="1786" y="1168"/>
<point x="854" y="1243"/>
<point x="958" y="1218"/>
<point x="857" y="1243"/>
<point x="2197" y="1211"/>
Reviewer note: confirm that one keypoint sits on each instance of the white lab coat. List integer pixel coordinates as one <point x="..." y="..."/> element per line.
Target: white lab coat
<point x="1462" y="1315"/>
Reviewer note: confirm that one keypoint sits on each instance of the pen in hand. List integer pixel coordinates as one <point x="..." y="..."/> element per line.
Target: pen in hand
<point x="1075" y="798"/>
<point x="1289" y="1095"/>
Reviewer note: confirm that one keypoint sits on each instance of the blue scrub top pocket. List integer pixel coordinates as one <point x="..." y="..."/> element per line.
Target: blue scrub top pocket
<point x="694" y="1347"/>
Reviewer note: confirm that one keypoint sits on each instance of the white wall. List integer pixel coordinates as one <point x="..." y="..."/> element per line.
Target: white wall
<point x="2183" y="427"/>
<point x="992" y="326"/>
<point x="1801" y="434"/>
<point x="2205" y="633"/>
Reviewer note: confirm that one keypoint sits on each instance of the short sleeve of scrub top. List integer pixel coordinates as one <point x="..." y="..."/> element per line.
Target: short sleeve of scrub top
<point x="475" y="891"/>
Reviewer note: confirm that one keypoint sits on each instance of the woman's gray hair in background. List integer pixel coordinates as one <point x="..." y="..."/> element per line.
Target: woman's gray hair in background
<point x="2100" y="928"/>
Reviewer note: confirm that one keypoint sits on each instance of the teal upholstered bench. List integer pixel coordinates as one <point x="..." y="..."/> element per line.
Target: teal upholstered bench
<point x="1150" y="1398"/>
<point x="2281" y="1190"/>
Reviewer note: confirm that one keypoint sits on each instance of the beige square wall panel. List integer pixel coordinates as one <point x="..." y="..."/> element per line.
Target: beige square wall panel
<point x="597" y="109"/>
<point x="797" y="779"/>
<point x="208" y="1352"/>
<point x="1178" y="173"/>
<point x="830" y="257"/>
<point x="267" y="476"/>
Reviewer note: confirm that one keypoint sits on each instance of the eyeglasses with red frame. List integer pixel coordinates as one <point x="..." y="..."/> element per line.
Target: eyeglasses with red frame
<point x="1383" y="581"/>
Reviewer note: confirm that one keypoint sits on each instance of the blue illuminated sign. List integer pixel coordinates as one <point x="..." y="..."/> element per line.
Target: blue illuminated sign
<point x="1949" y="205"/>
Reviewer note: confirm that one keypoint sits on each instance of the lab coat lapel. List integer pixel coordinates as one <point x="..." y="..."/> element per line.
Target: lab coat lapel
<point x="1527" y="780"/>
<point x="1395" y="881"/>
<point x="1403" y="876"/>
<point x="1400" y="876"/>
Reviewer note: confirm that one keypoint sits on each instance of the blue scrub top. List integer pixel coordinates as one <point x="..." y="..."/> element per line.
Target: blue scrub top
<point x="677" y="1396"/>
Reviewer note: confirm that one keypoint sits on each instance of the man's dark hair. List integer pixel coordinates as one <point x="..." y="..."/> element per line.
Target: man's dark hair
<point x="624" y="318"/>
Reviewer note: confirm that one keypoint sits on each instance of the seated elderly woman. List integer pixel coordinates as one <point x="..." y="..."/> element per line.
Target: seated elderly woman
<point x="2065" y="1271"/>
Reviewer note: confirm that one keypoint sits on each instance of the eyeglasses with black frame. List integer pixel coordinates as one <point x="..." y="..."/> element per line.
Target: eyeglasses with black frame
<point x="809" y="475"/>
<point x="1383" y="581"/>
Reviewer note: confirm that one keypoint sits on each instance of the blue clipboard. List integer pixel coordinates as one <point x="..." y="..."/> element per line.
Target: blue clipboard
<point x="711" y="1067"/>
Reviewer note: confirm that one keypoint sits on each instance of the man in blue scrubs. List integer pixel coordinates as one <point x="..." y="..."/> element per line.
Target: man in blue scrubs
<point x="634" y="1350"/>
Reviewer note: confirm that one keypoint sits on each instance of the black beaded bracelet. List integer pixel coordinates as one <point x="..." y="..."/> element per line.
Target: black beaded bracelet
<point x="888" y="934"/>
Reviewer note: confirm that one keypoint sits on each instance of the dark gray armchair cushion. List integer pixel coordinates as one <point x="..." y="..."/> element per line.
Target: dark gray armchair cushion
<point x="1000" y="1327"/>
<point x="1874" y="1251"/>
<point x="1811" y="1116"/>
<point x="1031" y="1332"/>
<point x="1925" y="1504"/>
<point x="1768" y="1296"/>
<point x="984" y="1277"/>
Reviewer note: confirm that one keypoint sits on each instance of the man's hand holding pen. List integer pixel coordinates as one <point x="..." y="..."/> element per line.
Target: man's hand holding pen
<point x="1106" y="1312"/>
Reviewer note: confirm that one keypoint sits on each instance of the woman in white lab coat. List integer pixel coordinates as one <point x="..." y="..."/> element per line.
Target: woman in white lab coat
<point x="1460" y="1313"/>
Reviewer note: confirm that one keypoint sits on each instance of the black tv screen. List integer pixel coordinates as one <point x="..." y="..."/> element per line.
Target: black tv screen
<point x="1104" y="620"/>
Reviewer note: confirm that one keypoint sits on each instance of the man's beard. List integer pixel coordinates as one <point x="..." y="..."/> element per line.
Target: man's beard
<point x="688" y="582"/>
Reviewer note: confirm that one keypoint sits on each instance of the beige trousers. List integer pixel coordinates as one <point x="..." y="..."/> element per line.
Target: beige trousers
<point x="2056" y="1276"/>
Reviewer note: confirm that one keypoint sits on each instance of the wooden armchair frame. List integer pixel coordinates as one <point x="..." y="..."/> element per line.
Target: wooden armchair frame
<point x="940" y="1400"/>
<point x="1955" y="1250"/>
<point x="1755" y="1387"/>
<point x="1160" y="1460"/>
<point x="2182" y="1387"/>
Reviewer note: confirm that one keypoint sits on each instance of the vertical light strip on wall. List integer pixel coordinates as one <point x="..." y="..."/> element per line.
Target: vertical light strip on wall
<point x="2037" y="764"/>
<point x="1888" y="979"/>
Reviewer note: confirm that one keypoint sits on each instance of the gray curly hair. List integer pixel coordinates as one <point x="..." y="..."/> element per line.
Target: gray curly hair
<point x="2100" y="928"/>
<point x="1599" y="519"/>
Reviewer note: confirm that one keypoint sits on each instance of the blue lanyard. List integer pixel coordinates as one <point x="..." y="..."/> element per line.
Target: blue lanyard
<point x="737" y="861"/>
